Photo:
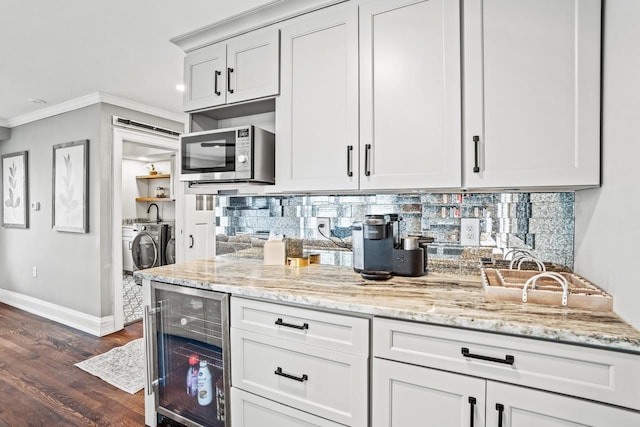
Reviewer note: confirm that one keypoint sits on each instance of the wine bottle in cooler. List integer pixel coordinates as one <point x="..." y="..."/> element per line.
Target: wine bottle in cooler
<point x="220" y="409"/>
<point x="192" y="376"/>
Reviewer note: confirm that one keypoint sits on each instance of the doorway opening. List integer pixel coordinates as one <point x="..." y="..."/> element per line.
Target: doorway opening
<point x="143" y="166"/>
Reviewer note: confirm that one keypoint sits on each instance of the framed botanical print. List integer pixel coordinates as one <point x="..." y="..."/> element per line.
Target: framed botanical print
<point x="71" y="186"/>
<point x="15" y="190"/>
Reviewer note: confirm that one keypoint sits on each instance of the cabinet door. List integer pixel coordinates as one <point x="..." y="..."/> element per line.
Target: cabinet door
<point x="127" y="258"/>
<point x="205" y="77"/>
<point x="410" y="396"/>
<point x="317" y="120"/>
<point x="532" y="93"/>
<point x="253" y="64"/>
<point x="410" y="94"/>
<point x="523" y="407"/>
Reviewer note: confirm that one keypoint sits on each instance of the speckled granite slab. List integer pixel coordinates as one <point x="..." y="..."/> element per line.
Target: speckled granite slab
<point x="438" y="299"/>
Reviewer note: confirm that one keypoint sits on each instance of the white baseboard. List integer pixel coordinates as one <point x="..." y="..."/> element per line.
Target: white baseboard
<point x="98" y="326"/>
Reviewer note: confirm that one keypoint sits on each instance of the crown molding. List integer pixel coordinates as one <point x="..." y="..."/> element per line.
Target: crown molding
<point x="91" y="99"/>
<point x="261" y="16"/>
<point x="4" y="123"/>
<point x="143" y="108"/>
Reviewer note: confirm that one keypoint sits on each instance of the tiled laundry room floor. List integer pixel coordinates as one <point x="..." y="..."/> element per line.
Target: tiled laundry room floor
<point x="131" y="299"/>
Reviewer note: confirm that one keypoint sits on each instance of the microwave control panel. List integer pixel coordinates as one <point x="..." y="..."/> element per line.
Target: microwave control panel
<point x="243" y="149"/>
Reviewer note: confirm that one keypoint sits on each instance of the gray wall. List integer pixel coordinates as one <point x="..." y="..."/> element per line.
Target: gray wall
<point x="5" y="133"/>
<point x="69" y="264"/>
<point x="607" y="237"/>
<point x="74" y="270"/>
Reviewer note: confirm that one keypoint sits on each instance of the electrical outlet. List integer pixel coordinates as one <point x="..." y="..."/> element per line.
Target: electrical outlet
<point x="322" y="224"/>
<point x="470" y="232"/>
<point x="35" y="271"/>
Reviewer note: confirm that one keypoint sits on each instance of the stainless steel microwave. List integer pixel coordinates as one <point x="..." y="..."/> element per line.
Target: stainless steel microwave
<point x="238" y="154"/>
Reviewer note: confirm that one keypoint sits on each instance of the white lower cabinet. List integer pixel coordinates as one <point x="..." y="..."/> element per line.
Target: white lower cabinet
<point x="412" y="396"/>
<point x="513" y="406"/>
<point x="250" y="410"/>
<point x="298" y="358"/>
<point x="450" y="377"/>
<point x="406" y="395"/>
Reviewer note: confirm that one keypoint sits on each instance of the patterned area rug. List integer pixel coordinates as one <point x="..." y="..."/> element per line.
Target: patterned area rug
<point x="122" y="367"/>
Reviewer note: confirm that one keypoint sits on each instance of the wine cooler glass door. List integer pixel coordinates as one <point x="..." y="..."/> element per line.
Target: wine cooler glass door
<point x="191" y="344"/>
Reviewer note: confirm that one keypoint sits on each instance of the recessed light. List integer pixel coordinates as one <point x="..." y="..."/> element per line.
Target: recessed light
<point x="37" y="100"/>
<point x="180" y="87"/>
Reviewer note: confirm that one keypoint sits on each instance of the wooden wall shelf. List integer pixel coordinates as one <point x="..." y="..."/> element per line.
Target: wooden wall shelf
<point x="158" y="176"/>
<point x="154" y="199"/>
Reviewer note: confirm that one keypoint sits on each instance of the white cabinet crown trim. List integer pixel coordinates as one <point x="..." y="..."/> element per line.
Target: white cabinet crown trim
<point x="253" y="19"/>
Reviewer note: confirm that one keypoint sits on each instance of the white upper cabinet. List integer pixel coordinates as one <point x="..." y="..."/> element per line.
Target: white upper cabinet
<point x="253" y="66"/>
<point x="410" y="112"/>
<point x="205" y="77"/>
<point x="317" y="120"/>
<point x="242" y="68"/>
<point x="531" y="93"/>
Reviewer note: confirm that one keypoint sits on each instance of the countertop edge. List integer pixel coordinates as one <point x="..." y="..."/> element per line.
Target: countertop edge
<point x="563" y="336"/>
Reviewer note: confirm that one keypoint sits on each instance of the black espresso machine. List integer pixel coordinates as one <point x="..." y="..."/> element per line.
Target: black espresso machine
<point x="379" y="253"/>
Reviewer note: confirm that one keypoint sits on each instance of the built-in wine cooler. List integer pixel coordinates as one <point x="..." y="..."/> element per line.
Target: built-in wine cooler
<point x="188" y="332"/>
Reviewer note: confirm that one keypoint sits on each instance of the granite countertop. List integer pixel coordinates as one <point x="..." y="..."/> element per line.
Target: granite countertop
<point x="435" y="298"/>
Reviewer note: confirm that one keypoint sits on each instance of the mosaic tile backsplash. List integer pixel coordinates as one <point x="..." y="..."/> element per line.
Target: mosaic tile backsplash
<point x="543" y="222"/>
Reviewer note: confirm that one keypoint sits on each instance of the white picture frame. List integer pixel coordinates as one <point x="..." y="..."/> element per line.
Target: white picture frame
<point x="70" y="210"/>
<point x="15" y="190"/>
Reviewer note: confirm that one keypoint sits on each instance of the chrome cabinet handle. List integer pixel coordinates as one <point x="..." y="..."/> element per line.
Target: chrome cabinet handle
<point x="367" y="157"/>
<point x="229" y="71"/>
<point x="476" y="142"/>
<point x="349" y="154"/>
<point x="215" y="82"/>
<point x="279" y="322"/>
<point x="508" y="359"/>
<point x="279" y="372"/>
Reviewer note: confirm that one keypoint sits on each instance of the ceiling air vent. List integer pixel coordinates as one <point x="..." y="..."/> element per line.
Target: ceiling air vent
<point x="131" y="124"/>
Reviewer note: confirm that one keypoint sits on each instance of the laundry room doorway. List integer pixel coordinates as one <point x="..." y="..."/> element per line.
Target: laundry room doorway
<point x="144" y="213"/>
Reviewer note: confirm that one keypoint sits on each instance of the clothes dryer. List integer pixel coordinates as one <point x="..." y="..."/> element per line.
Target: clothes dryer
<point x="149" y="245"/>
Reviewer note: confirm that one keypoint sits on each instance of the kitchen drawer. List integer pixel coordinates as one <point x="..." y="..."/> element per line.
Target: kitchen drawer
<point x="326" y="383"/>
<point x="249" y="410"/>
<point x="327" y="330"/>
<point x="601" y="375"/>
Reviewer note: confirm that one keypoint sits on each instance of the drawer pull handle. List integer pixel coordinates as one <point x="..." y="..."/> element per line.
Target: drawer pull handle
<point x="472" y="403"/>
<point x="279" y="372"/>
<point x="500" y="409"/>
<point x="303" y="327"/>
<point x="508" y="359"/>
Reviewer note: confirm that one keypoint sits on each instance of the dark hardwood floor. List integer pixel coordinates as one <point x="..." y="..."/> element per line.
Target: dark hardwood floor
<point x="39" y="384"/>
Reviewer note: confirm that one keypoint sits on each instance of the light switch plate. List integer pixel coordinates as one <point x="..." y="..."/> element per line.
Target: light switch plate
<point x="470" y="232"/>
